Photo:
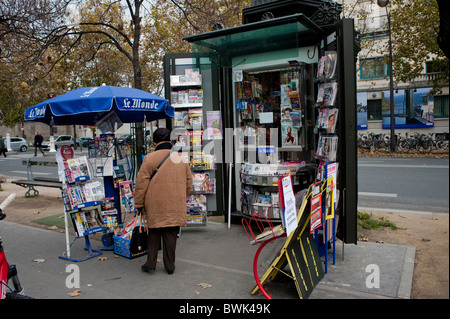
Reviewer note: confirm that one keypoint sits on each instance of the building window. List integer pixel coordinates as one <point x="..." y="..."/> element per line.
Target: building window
<point x="431" y="67"/>
<point x="373" y="26"/>
<point x="441" y="106"/>
<point x="374" y="68"/>
<point x="374" y="110"/>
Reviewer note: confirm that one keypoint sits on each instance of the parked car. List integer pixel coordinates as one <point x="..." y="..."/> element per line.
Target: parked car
<point x="84" y="141"/>
<point x="126" y="139"/>
<point x="18" y="144"/>
<point x="59" y="141"/>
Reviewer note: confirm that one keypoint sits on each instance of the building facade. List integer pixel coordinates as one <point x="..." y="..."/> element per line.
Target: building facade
<point x="416" y="109"/>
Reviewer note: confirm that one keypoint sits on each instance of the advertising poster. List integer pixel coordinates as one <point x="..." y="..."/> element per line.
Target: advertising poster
<point x="316" y="212"/>
<point x="361" y="110"/>
<point x="213" y="125"/>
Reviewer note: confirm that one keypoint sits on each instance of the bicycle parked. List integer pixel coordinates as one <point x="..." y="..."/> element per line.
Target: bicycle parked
<point x="408" y="142"/>
<point x="372" y="141"/>
<point x="9" y="272"/>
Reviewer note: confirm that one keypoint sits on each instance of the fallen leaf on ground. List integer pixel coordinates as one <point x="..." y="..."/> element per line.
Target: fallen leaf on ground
<point x="204" y="285"/>
<point x="197" y="292"/>
<point x="74" y="293"/>
<point x="39" y="260"/>
<point x="380" y="242"/>
<point x="53" y="227"/>
<point x="36" y="213"/>
<point x="363" y="239"/>
<point x="102" y="258"/>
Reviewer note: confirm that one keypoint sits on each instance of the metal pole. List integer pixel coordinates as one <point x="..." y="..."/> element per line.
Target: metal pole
<point x="230" y="177"/>
<point x="391" y="86"/>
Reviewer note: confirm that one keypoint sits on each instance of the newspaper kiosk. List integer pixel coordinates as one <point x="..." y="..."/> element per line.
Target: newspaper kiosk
<point x="288" y="93"/>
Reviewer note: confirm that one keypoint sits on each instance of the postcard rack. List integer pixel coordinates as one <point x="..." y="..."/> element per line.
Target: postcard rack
<point x="82" y="206"/>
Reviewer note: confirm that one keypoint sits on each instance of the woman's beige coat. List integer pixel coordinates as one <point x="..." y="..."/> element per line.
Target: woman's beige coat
<point x="164" y="198"/>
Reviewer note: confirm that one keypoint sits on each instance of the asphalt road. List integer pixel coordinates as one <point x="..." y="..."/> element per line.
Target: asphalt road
<point x="406" y="184"/>
<point x="410" y="184"/>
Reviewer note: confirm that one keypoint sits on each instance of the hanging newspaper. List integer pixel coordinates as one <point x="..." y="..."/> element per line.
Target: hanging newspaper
<point x="288" y="202"/>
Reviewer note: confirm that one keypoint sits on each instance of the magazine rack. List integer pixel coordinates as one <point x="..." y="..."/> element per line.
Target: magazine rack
<point x="80" y="200"/>
<point x="265" y="236"/>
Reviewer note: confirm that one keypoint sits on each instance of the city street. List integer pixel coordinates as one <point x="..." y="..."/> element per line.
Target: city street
<point x="409" y="184"/>
<point x="404" y="184"/>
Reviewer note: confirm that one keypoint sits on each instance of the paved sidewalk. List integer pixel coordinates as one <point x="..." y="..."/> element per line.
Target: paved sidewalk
<point x="213" y="262"/>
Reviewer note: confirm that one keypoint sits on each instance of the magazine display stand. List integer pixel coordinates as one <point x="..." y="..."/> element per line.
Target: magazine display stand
<point x="83" y="198"/>
<point x="188" y="133"/>
<point x="260" y="190"/>
<point x="112" y="163"/>
<point x="326" y="154"/>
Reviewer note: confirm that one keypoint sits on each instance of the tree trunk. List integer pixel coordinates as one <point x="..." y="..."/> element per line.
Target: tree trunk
<point x="139" y="140"/>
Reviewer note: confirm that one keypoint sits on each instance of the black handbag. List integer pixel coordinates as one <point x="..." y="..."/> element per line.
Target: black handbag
<point x="139" y="237"/>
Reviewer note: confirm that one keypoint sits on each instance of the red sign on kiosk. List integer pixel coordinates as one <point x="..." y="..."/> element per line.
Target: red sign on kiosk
<point x="66" y="152"/>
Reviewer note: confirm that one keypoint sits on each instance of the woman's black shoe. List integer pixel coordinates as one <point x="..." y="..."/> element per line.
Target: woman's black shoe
<point x="147" y="269"/>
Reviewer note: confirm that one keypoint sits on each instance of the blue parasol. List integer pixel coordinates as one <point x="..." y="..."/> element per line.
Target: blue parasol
<point x="91" y="105"/>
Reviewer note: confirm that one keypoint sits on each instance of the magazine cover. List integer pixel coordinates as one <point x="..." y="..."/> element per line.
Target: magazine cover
<point x="331" y="171"/>
<point x="77" y="169"/>
<point x="320" y="68"/>
<point x="79" y="223"/>
<point x="126" y="188"/>
<point x="127" y="195"/>
<point x="296" y="117"/>
<point x="180" y="118"/>
<point x="118" y="175"/>
<point x="174" y="97"/>
<point x="203" y="183"/>
<point x="195" y="118"/>
<point x="195" y="205"/>
<point x="327" y="147"/>
<point x="109" y="213"/>
<point x="182" y="97"/>
<point x="246" y="112"/>
<point x="329" y="70"/>
<point x="285" y="90"/>
<point x="213" y="125"/>
<point x="180" y="136"/>
<point x="192" y="75"/>
<point x="329" y="93"/>
<point x="327" y="66"/>
<point x="332" y="117"/>
<point x="93" y="191"/>
<point x="294" y="99"/>
<point x="316" y="209"/>
<point x="93" y="217"/>
<point x="196" y="138"/>
<point x="289" y="136"/>
<point x="329" y="199"/>
<point x="322" y="120"/>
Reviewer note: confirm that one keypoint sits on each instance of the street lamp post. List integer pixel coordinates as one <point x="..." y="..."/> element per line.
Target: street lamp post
<point x="384" y="3"/>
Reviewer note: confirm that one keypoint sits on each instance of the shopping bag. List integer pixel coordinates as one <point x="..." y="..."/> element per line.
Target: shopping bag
<point x="139" y="236"/>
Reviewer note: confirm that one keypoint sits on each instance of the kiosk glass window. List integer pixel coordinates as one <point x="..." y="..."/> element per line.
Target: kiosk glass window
<point x="268" y="112"/>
